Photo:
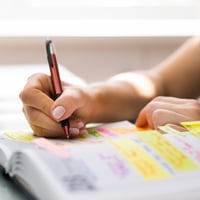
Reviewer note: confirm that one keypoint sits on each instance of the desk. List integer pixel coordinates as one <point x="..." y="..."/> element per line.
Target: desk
<point x="8" y="190"/>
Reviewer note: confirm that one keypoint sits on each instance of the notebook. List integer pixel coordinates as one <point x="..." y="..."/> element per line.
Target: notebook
<point x="113" y="161"/>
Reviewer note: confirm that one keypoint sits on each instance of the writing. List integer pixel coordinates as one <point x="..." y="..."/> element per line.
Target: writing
<point x="140" y="159"/>
<point x="189" y="148"/>
<point x="76" y="175"/>
<point x="116" y="165"/>
<point x="78" y="182"/>
<point x="178" y="160"/>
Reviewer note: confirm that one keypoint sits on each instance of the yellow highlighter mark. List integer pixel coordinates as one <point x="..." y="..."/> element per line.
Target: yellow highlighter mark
<point x="19" y="136"/>
<point x="193" y="127"/>
<point x="140" y="159"/>
<point x="175" y="158"/>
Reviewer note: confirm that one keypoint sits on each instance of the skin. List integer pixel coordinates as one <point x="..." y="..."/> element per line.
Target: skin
<point x="169" y="111"/>
<point x="165" y="94"/>
<point x="179" y="79"/>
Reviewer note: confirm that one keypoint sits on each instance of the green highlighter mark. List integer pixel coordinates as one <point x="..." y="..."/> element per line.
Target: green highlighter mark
<point x="95" y="133"/>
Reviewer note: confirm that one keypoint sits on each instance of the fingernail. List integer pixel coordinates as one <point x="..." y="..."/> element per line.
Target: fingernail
<point x="80" y="124"/>
<point x="58" y="112"/>
<point x="74" y="131"/>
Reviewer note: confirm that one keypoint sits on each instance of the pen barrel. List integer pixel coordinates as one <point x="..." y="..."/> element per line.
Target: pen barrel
<point x="65" y="122"/>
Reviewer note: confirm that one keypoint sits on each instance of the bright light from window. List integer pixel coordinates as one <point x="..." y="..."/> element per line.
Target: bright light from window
<point x="113" y="3"/>
<point x="65" y="13"/>
<point x="103" y="3"/>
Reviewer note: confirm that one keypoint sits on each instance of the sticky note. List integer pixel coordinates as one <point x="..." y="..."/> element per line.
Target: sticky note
<point x="95" y="133"/>
<point x="144" y="164"/>
<point x="178" y="160"/>
<point x="128" y="130"/>
<point x="51" y="147"/>
<point x="193" y="127"/>
<point x="19" y="136"/>
<point x="106" y="131"/>
<point x="168" y="129"/>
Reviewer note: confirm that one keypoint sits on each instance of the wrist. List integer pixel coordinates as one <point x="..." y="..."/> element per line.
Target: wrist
<point x="112" y="101"/>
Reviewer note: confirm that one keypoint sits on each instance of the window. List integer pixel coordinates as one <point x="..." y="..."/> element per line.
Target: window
<point x="63" y="13"/>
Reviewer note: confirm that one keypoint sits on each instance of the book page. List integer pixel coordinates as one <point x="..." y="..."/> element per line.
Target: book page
<point x="11" y="141"/>
<point x="113" y="162"/>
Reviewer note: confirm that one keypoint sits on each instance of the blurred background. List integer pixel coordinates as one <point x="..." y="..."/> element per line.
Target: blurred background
<point x="96" y="38"/>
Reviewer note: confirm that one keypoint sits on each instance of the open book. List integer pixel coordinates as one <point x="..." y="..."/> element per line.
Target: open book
<point x="113" y="161"/>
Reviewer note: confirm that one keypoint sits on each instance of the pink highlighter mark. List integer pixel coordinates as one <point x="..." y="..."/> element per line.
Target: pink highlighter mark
<point x="106" y="131"/>
<point x="51" y="147"/>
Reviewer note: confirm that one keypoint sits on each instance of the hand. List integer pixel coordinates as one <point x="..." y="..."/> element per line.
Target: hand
<point x="44" y="114"/>
<point x="168" y="111"/>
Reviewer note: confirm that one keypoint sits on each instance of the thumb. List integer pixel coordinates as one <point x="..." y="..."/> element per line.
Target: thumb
<point x="58" y="112"/>
<point x="65" y="105"/>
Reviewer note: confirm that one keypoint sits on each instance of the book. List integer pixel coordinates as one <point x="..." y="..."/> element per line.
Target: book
<point x="113" y="161"/>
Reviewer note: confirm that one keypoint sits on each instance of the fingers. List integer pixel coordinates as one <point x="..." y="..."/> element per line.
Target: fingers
<point x="42" y="124"/>
<point x="77" y="128"/>
<point x="165" y="110"/>
<point x="65" y="105"/>
<point x="74" y="101"/>
<point x="37" y="93"/>
<point x="44" y="114"/>
<point x="177" y="127"/>
<point x="45" y="126"/>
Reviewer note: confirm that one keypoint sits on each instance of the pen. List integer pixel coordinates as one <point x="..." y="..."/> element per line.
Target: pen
<point x="55" y="78"/>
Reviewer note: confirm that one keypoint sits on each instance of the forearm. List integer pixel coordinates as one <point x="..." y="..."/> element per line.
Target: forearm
<point x="123" y="96"/>
<point x="180" y="72"/>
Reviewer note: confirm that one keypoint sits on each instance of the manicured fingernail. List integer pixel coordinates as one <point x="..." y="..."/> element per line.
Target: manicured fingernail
<point x="74" y="131"/>
<point x="58" y="112"/>
<point x="80" y="124"/>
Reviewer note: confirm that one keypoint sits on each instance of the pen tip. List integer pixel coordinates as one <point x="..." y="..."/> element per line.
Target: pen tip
<point x="66" y="129"/>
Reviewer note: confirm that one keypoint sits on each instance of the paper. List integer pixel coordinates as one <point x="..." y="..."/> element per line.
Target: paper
<point x="193" y="127"/>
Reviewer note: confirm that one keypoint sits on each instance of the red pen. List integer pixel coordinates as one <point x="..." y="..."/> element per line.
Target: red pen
<point x="55" y="78"/>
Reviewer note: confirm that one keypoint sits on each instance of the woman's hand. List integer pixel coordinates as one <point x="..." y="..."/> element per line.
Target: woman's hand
<point x="168" y="111"/>
<point x="44" y="114"/>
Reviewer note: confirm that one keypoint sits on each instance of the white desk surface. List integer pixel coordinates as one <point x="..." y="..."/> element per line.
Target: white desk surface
<point x="8" y="190"/>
